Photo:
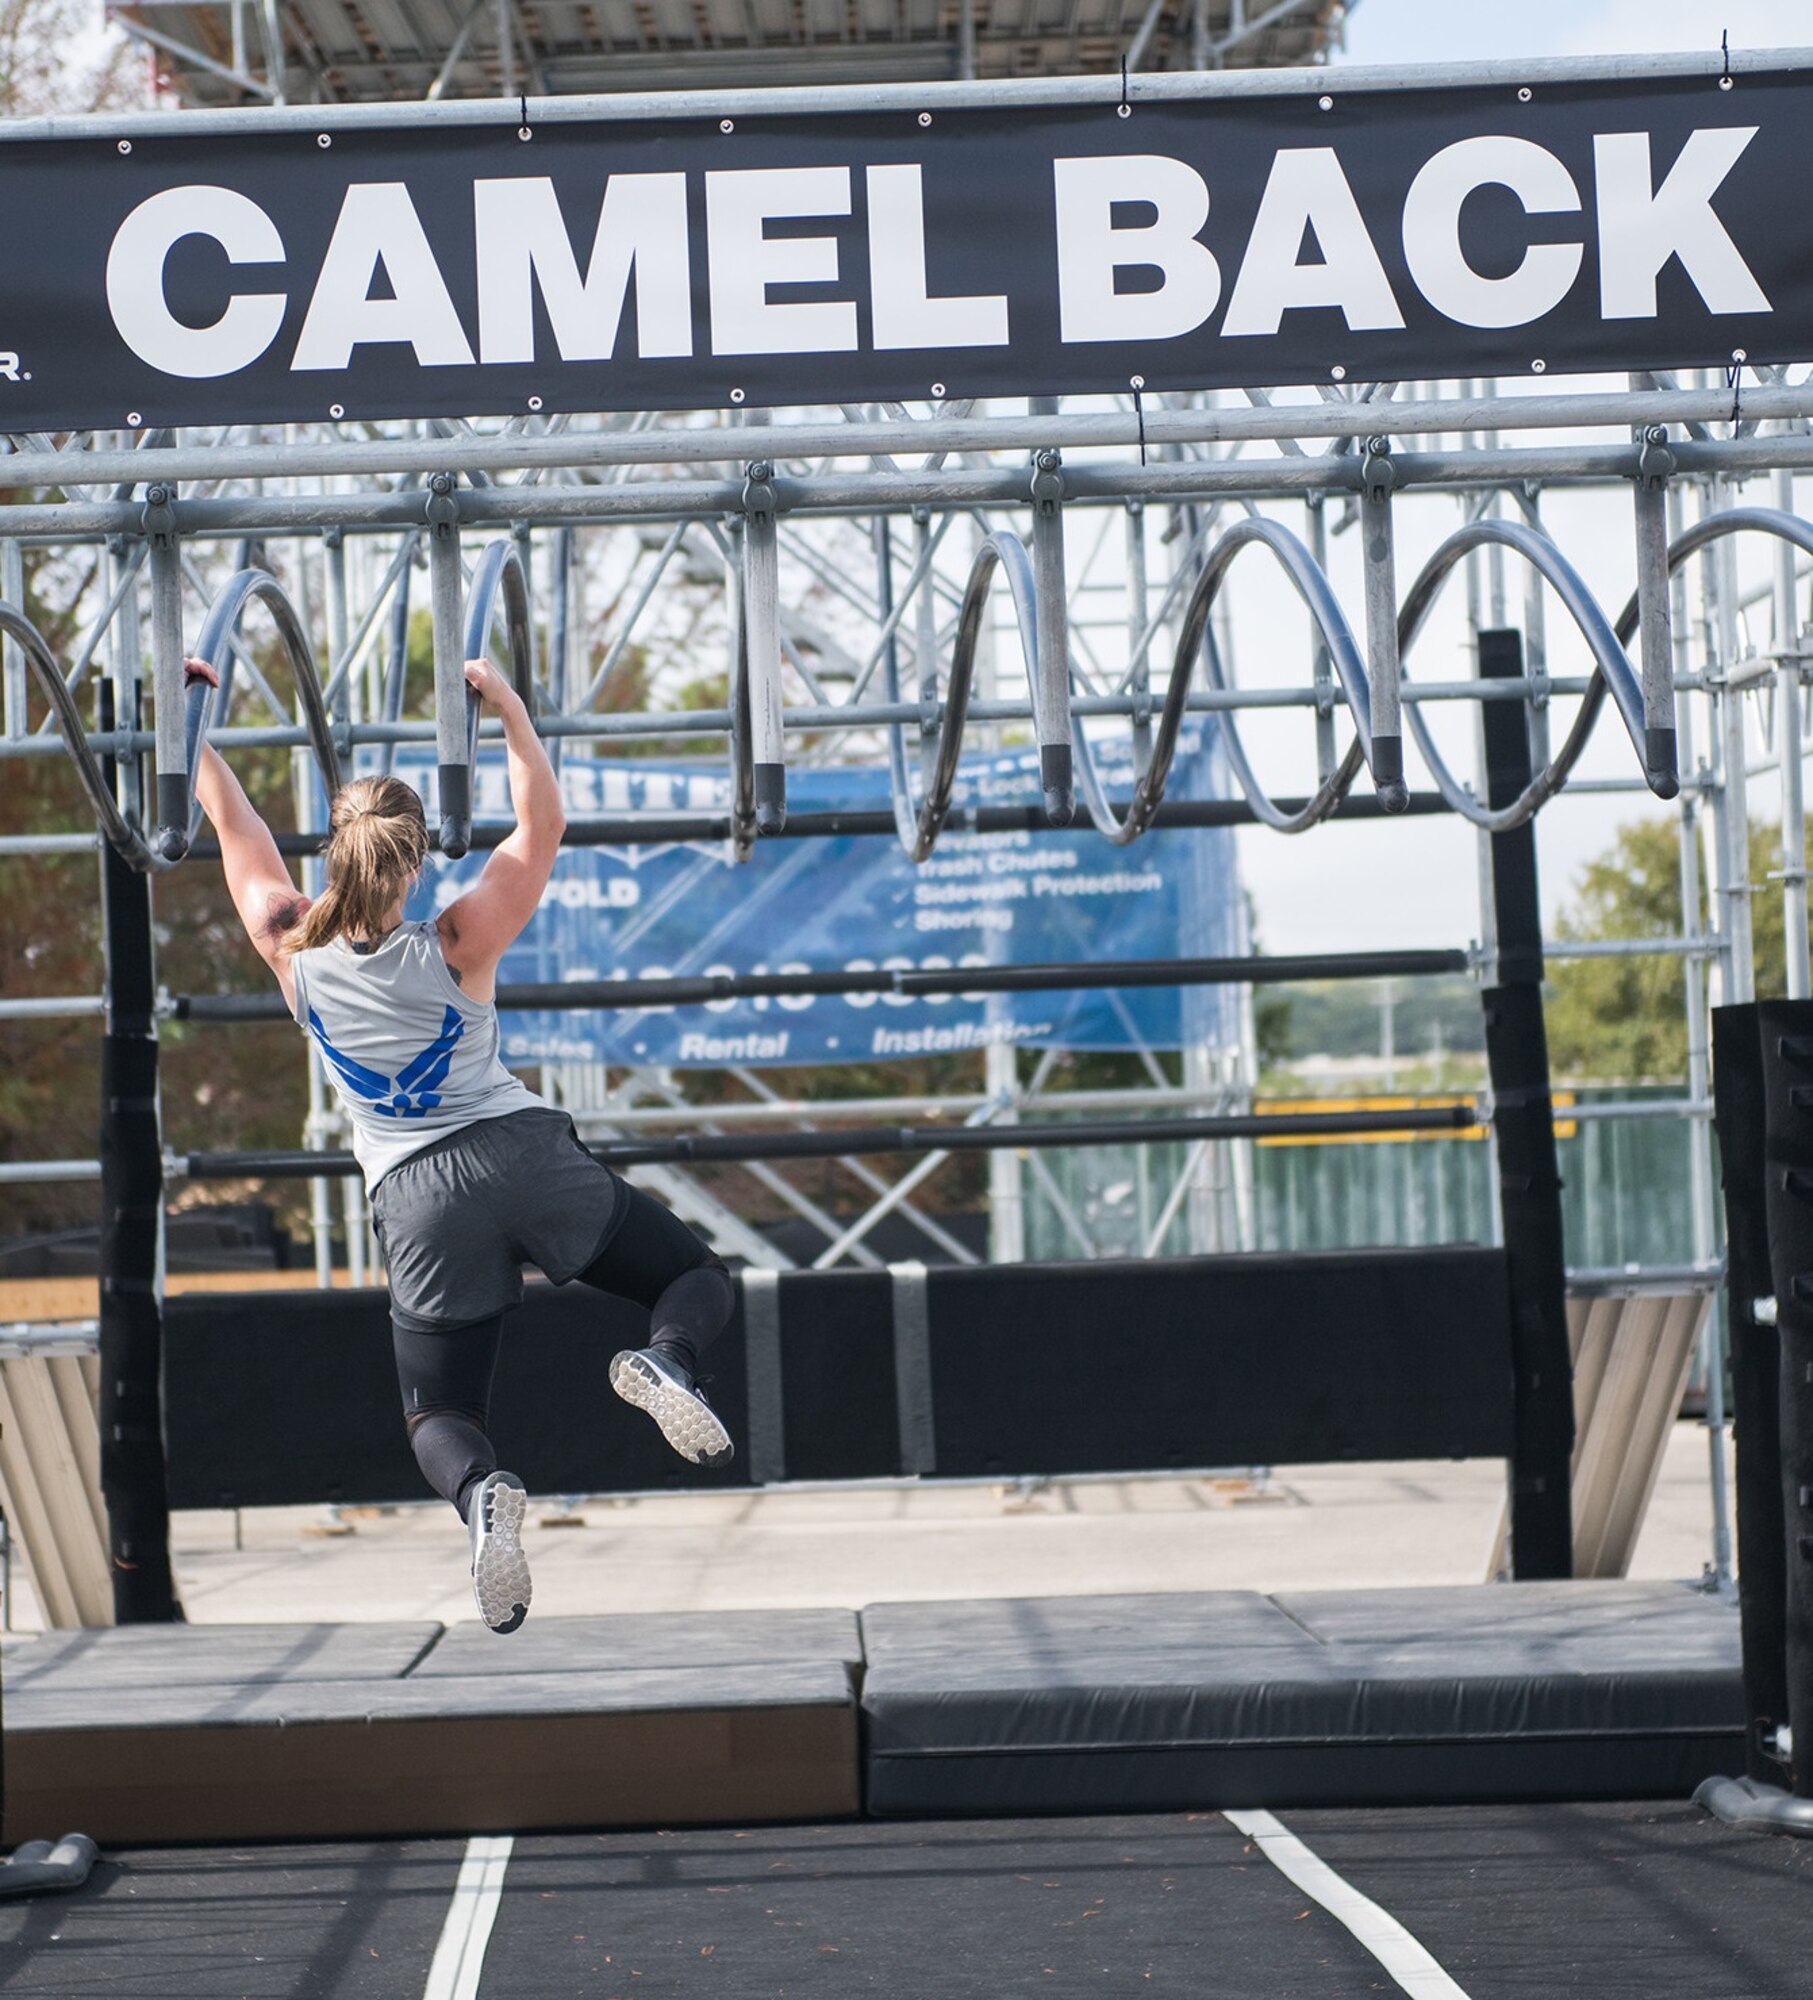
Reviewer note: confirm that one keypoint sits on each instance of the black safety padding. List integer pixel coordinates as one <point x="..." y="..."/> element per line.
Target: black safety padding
<point x="286" y="1398"/>
<point x="837" y="1349"/>
<point x="1367" y="1697"/>
<point x="1373" y="1354"/>
<point x="1785" y="1030"/>
<point x="1737" y="1094"/>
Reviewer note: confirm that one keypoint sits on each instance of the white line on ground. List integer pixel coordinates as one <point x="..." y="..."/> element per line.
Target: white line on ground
<point x="459" y="1958"/>
<point x="1378" y="1930"/>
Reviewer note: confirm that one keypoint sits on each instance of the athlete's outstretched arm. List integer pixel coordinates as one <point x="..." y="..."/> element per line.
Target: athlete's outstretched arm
<point x="263" y="892"/>
<point x="478" y="929"/>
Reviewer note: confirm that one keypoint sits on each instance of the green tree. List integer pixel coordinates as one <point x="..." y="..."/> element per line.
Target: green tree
<point x="1625" y="1018"/>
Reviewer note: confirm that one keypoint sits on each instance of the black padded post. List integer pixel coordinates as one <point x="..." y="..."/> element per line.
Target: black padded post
<point x="1786" y="1034"/>
<point x="1737" y="1091"/>
<point x="133" y="1480"/>
<point x="1517" y="1056"/>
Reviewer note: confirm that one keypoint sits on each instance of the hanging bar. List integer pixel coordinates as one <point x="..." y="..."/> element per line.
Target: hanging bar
<point x="1661" y="755"/>
<point x="171" y="840"/>
<point x="455" y="705"/>
<point x="762" y="638"/>
<point x="1050" y="668"/>
<point x="1386" y="755"/>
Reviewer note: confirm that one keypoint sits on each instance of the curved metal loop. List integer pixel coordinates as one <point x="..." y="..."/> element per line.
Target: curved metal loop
<point x="215" y="647"/>
<point x="1613" y="673"/>
<point x="1733" y="521"/>
<point x="918" y="826"/>
<point x="396" y="667"/>
<point x="1194" y="640"/>
<point x="118" y="831"/>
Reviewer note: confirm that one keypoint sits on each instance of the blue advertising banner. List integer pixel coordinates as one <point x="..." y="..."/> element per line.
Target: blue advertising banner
<point x="858" y="904"/>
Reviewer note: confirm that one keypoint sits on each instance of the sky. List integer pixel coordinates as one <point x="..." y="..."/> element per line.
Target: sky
<point x="1367" y="886"/>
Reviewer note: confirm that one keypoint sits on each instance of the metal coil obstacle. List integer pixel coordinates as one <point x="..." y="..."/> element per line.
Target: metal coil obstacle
<point x="1366" y="679"/>
<point x="197" y="705"/>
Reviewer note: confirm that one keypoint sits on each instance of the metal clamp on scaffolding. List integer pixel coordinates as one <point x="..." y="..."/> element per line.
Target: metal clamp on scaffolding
<point x="456" y="707"/>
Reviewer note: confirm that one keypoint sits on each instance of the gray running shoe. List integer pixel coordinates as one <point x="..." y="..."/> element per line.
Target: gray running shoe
<point x="500" y="1568"/>
<point x="651" y="1382"/>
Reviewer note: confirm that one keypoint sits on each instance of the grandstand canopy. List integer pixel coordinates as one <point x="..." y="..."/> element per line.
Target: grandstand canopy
<point x="219" y="52"/>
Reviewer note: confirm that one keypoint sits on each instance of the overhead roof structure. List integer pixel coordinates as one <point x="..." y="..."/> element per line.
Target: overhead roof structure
<point x="232" y="52"/>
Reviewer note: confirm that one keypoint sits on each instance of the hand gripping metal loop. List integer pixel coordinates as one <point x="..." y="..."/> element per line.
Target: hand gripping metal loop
<point x="1613" y="672"/>
<point x="118" y="831"/>
<point x="918" y="826"/>
<point x="1193" y="641"/>
<point x="215" y="647"/>
<point x="498" y="570"/>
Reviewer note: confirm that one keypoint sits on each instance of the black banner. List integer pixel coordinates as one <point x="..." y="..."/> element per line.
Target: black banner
<point x="436" y="269"/>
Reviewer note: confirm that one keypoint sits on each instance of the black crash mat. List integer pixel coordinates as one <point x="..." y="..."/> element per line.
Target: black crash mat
<point x="1532" y="1691"/>
<point x="650" y="1641"/>
<point x="236" y="1733"/>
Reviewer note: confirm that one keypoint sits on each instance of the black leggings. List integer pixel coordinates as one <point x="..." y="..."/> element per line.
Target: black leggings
<point x="651" y="1258"/>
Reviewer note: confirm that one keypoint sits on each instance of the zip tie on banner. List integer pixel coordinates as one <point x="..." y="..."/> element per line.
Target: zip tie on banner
<point x="1137" y="383"/>
<point x="1734" y="381"/>
<point x="1123" y="109"/>
<point x="1725" y="58"/>
<point x="522" y="104"/>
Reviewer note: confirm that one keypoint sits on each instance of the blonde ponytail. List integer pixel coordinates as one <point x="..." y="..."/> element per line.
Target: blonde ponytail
<point x="377" y="839"/>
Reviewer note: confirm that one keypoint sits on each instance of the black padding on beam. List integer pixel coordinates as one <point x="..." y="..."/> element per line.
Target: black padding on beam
<point x="1737" y="1094"/>
<point x="1563" y="1691"/>
<point x="837" y="1361"/>
<point x="1263" y="1360"/>
<point x="289" y="1398"/>
<point x="1785" y="1032"/>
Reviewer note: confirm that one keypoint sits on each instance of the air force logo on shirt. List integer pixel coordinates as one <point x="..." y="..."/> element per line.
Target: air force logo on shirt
<point x="415" y="1090"/>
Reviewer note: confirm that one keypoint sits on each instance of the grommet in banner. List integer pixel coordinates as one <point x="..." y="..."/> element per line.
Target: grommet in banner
<point x="1123" y="110"/>
<point x="736" y="395"/>
<point x="1525" y="94"/>
<point x="336" y="410"/>
<point x="324" y="140"/>
<point x="535" y="402"/>
<point x="525" y="133"/>
<point x="133" y="420"/>
<point x="925" y="118"/>
<point x="1338" y="372"/>
<point x="1740" y="355"/>
<point x="1325" y="104"/>
<point x="727" y="124"/>
<point x="1726" y="82"/>
<point x="125" y="145"/>
<point x="1539" y="366"/>
<point x="937" y="392"/>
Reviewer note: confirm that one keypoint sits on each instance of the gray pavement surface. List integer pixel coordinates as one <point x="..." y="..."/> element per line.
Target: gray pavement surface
<point x="1302" y="1528"/>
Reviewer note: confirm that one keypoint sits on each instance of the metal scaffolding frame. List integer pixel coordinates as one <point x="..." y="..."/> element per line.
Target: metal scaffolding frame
<point x="912" y="659"/>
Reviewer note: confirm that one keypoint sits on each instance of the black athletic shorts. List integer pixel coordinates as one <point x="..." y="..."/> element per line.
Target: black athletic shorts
<point x="459" y="1220"/>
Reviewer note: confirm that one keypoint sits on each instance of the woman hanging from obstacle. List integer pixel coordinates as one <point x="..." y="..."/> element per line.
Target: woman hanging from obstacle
<point x="470" y="1174"/>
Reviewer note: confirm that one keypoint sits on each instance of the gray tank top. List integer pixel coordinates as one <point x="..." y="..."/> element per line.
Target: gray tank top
<point x="411" y="1057"/>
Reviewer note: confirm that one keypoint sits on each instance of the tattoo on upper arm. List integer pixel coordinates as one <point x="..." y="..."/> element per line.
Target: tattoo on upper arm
<point x="283" y="913"/>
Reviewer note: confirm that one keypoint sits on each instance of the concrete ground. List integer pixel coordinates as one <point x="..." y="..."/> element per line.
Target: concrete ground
<point x="1306" y="1527"/>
